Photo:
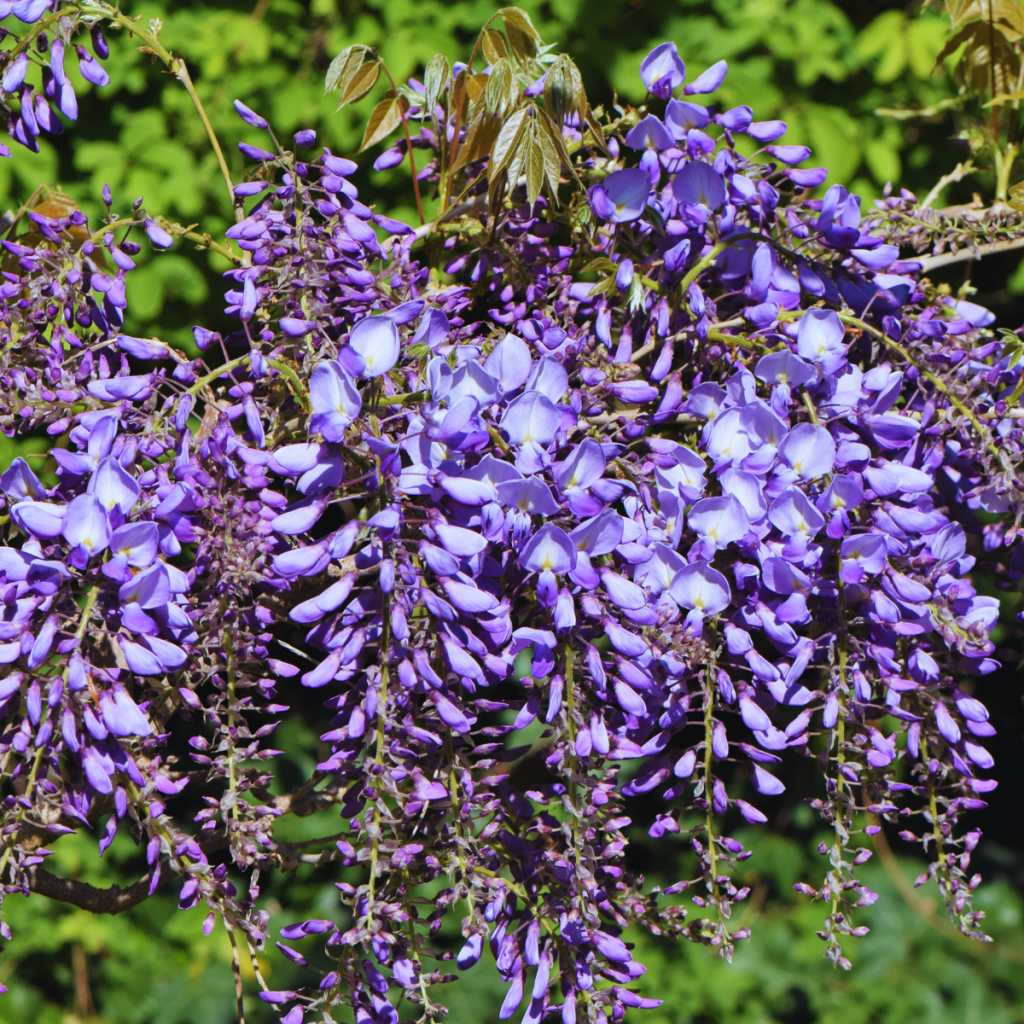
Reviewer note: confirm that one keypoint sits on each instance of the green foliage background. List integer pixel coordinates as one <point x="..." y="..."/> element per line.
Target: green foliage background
<point x="825" y="68"/>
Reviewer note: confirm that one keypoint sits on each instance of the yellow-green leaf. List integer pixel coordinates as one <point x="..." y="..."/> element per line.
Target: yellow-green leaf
<point x="435" y="78"/>
<point x="344" y="66"/>
<point x="479" y="139"/>
<point x="534" y="171"/>
<point x="359" y="84"/>
<point x="386" y="117"/>
<point x="522" y="36"/>
<point x="506" y="141"/>
<point x="493" y="45"/>
<point x="502" y="89"/>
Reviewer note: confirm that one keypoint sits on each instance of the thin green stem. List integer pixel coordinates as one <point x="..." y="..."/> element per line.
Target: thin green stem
<point x="178" y="68"/>
<point x="570" y="697"/>
<point x="229" y="654"/>
<point x="382" y="708"/>
<point x="840" y="730"/>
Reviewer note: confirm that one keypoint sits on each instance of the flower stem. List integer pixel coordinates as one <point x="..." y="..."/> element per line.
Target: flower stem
<point x="178" y="68"/>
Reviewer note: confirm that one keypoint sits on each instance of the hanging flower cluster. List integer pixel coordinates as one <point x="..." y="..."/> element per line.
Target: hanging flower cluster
<point x="686" y="468"/>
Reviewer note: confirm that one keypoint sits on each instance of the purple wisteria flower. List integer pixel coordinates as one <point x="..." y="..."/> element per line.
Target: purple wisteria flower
<point x="687" y="475"/>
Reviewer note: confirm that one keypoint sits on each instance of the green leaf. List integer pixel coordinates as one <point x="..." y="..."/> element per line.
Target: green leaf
<point x="522" y="36"/>
<point x="386" y="117"/>
<point x="508" y="138"/>
<point x="502" y="90"/>
<point x="534" y="171"/>
<point x="494" y="46"/>
<point x="344" y="66"/>
<point x="359" y="84"/>
<point x="435" y="79"/>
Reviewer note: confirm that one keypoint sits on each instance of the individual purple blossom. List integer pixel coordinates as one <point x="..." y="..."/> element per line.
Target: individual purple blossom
<point x="376" y="345"/>
<point x="336" y="401"/>
<point x="708" y="81"/>
<point x="699" y="183"/>
<point x="622" y="196"/>
<point x="649" y="133"/>
<point x="662" y="70"/>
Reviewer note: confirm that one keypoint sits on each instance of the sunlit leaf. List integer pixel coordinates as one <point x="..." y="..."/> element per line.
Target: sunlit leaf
<point x="522" y="36"/>
<point x="494" y="46"/>
<point x="475" y="86"/>
<point x="386" y="117"/>
<point x="501" y="92"/>
<point x="359" y="84"/>
<point x="435" y="79"/>
<point x="479" y="139"/>
<point x="506" y="140"/>
<point x="344" y="66"/>
<point x="534" y="166"/>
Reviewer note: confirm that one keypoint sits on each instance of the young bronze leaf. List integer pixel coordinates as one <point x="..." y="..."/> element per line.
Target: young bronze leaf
<point x="551" y="160"/>
<point x="494" y="46"/>
<point x="595" y="130"/>
<point x="517" y="17"/>
<point x="344" y="66"/>
<point x="479" y="140"/>
<point x="475" y="86"/>
<point x="553" y="137"/>
<point x="457" y="98"/>
<point x="522" y="36"/>
<point x="386" y="117"/>
<point x="359" y="84"/>
<point x="507" y="156"/>
<point x="534" y="170"/>
<point x="502" y="90"/>
<point x="506" y="141"/>
<point x="982" y="62"/>
<point x="435" y="79"/>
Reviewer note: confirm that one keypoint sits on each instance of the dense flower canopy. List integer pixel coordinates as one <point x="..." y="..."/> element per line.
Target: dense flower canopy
<point x="681" y="464"/>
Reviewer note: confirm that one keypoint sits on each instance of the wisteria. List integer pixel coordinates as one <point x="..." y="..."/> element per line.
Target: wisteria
<point x="635" y="440"/>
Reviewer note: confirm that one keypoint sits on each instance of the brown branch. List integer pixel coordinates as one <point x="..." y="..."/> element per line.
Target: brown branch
<point x="114" y="900"/>
<point x="945" y="259"/>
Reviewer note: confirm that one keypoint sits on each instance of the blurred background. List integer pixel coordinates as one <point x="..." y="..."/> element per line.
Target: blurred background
<point x="855" y="81"/>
